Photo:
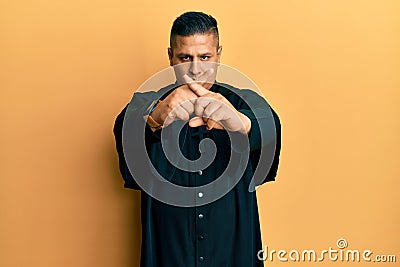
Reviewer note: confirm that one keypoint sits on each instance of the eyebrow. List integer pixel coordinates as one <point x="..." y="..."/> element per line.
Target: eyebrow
<point x="184" y="54"/>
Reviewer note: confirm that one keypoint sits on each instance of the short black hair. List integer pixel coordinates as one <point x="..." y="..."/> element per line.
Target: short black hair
<point x="193" y="22"/>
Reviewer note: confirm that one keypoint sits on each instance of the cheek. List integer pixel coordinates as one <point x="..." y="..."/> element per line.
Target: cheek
<point x="175" y="61"/>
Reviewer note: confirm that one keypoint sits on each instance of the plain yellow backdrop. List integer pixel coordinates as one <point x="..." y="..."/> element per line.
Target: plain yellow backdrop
<point x="329" y="68"/>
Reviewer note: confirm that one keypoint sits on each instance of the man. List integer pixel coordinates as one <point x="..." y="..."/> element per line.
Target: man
<point x="203" y="230"/>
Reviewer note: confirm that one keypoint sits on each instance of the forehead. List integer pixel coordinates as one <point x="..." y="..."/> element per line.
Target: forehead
<point x="195" y="42"/>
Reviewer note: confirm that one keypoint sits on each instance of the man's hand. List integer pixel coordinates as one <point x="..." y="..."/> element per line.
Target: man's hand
<point x="211" y="109"/>
<point x="215" y="111"/>
<point x="178" y="105"/>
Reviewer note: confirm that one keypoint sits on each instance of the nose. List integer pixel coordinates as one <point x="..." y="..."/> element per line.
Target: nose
<point x="195" y="69"/>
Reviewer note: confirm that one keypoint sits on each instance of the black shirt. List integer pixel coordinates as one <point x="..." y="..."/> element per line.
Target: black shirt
<point x="225" y="232"/>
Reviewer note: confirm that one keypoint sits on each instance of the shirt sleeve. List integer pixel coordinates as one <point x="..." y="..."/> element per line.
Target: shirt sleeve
<point x="264" y="136"/>
<point x="129" y="182"/>
<point x="137" y="109"/>
<point x="271" y="152"/>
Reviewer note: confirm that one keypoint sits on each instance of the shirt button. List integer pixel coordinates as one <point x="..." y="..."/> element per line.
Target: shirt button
<point x="201" y="258"/>
<point x="201" y="216"/>
<point x="200" y="194"/>
<point x="200" y="172"/>
<point x="201" y="237"/>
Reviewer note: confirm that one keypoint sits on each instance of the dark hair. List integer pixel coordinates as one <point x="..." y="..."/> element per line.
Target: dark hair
<point x="192" y="22"/>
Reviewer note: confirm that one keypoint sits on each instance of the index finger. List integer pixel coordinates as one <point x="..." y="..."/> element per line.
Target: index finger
<point x="194" y="86"/>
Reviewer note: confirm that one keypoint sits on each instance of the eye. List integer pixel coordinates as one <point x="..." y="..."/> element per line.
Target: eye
<point x="204" y="57"/>
<point x="185" y="58"/>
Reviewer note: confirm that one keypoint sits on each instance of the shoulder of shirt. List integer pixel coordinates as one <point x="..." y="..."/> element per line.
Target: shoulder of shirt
<point x="156" y="94"/>
<point x="227" y="89"/>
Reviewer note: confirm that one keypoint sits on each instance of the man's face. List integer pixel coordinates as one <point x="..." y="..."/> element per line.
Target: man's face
<point x="195" y="55"/>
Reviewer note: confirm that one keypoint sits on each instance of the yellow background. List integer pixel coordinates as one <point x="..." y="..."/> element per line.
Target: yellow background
<point x="329" y="68"/>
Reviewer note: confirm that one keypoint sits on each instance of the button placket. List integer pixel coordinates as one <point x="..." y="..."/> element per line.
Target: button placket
<point x="200" y="217"/>
<point x="200" y="235"/>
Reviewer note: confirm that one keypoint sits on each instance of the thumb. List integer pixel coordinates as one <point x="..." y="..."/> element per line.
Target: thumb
<point x="194" y="86"/>
<point x="196" y="122"/>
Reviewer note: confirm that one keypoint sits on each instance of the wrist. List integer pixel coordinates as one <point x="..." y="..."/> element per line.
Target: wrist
<point x="154" y="112"/>
<point x="155" y="125"/>
<point x="150" y="118"/>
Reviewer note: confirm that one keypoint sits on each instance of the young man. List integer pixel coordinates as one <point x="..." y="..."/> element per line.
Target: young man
<point x="199" y="227"/>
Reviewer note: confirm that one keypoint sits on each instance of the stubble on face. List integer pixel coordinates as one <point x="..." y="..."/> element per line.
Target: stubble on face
<point x="195" y="55"/>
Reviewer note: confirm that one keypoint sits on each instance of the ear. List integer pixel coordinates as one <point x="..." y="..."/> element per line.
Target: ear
<point x="170" y="56"/>
<point x="219" y="51"/>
